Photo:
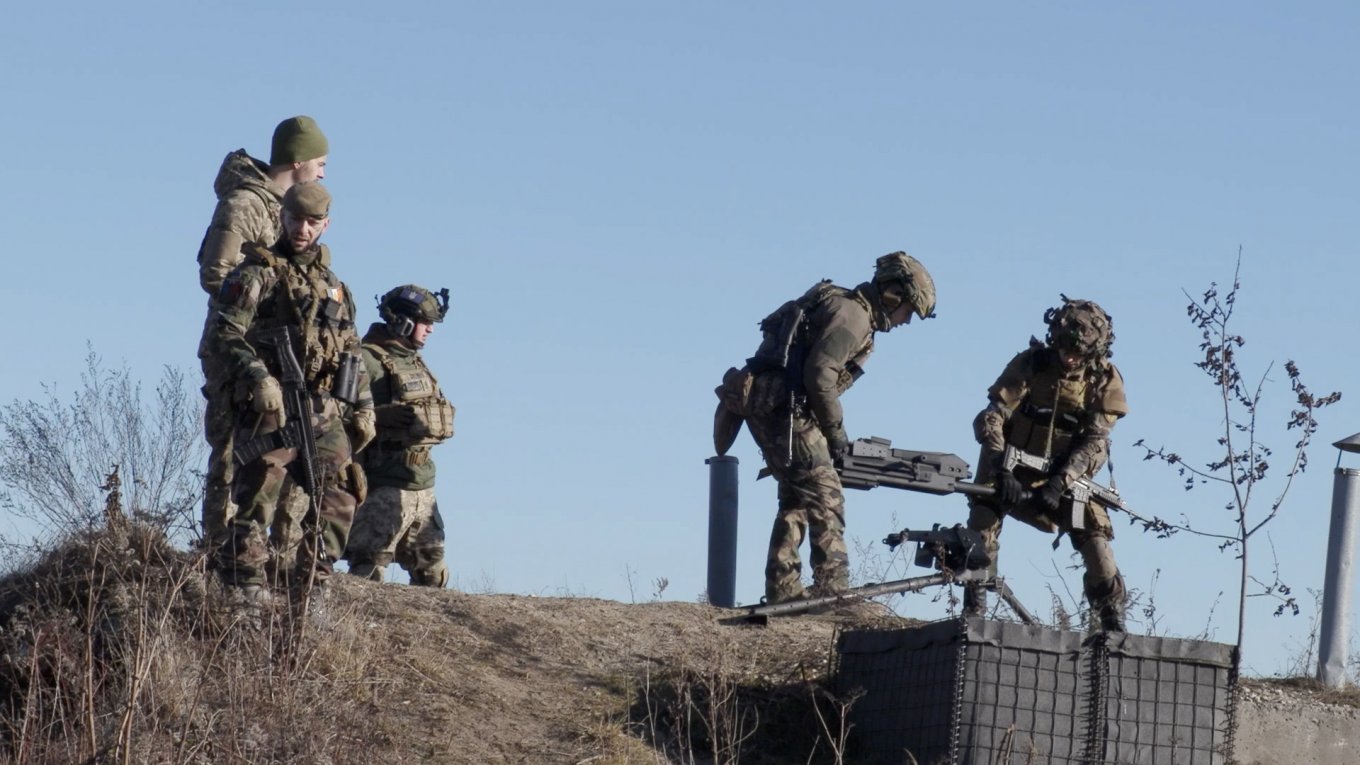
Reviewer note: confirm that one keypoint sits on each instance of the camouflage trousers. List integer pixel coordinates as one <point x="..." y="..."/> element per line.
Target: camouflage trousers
<point x="401" y="525"/>
<point x="259" y="489"/>
<point x="810" y="505"/>
<point x="219" y="424"/>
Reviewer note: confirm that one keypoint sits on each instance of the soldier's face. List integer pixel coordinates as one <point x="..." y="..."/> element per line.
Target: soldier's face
<point x="420" y="333"/>
<point x="311" y="170"/>
<point x="901" y="315"/>
<point x="1071" y="360"/>
<point x="302" y="232"/>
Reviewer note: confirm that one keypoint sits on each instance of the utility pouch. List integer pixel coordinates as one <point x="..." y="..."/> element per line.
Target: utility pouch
<point x="780" y="330"/>
<point x="358" y="481"/>
<point x="735" y="391"/>
<point x="346" y="386"/>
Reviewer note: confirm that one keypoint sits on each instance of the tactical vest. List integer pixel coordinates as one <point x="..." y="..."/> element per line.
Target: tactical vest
<point x="411" y="383"/>
<point x="788" y="331"/>
<point x="313" y="300"/>
<point x="1055" y="409"/>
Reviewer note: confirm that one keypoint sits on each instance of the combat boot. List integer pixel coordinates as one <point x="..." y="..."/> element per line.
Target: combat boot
<point x="1112" y="617"/>
<point x="436" y="577"/>
<point x="1107" y="600"/>
<point x="250" y="604"/>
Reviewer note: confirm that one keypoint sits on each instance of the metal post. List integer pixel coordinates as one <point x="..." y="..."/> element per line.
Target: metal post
<point x="722" y="531"/>
<point x="1334" y="634"/>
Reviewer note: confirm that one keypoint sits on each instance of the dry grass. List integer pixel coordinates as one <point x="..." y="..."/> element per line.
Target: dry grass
<point x="117" y="648"/>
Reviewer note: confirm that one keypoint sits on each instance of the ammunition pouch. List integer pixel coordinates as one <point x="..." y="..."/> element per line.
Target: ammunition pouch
<point x="357" y="481"/>
<point x="433" y="421"/>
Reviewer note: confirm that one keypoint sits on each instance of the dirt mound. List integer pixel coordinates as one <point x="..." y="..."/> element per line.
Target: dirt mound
<point x="116" y="647"/>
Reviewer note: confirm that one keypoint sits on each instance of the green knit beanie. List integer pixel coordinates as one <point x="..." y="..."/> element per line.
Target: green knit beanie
<point x="297" y="139"/>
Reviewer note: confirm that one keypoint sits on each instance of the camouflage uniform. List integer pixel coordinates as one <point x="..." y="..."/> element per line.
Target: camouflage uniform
<point x="1042" y="409"/>
<point x="247" y="215"/>
<point x="832" y="340"/>
<point x="276" y="287"/>
<point x="400" y="519"/>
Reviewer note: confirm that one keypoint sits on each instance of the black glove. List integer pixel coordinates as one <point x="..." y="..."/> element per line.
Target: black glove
<point x="1051" y="494"/>
<point x="1009" y="489"/>
<point x="395" y="417"/>
<point x="837" y="443"/>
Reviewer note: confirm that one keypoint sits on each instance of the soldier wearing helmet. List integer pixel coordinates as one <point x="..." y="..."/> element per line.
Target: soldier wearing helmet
<point x="1058" y="401"/>
<point x="788" y="394"/>
<point x="400" y="519"/>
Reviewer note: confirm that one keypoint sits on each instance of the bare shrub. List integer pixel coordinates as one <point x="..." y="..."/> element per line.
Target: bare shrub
<point x="55" y="454"/>
<point x="1242" y="461"/>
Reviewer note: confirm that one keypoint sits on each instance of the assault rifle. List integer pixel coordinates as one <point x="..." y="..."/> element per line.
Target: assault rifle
<point x="297" y="408"/>
<point x="957" y="554"/>
<point x="1082" y="490"/>
<point x="872" y="462"/>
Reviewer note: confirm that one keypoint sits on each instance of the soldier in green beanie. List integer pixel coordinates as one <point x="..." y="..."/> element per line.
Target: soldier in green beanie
<point x="249" y="200"/>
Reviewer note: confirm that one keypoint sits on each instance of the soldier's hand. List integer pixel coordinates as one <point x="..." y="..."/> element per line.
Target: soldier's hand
<point x="1009" y="489"/>
<point x="396" y="417"/>
<point x="267" y="398"/>
<point x="837" y="443"/>
<point x="365" y="429"/>
<point x="1051" y="494"/>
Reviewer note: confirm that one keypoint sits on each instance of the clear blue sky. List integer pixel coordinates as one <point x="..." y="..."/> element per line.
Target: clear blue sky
<point x="617" y="192"/>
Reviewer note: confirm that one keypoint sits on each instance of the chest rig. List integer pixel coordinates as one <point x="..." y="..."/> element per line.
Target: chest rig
<point x="311" y="298"/>
<point x="789" y="331"/>
<point x="1054" y="410"/>
<point x="411" y="383"/>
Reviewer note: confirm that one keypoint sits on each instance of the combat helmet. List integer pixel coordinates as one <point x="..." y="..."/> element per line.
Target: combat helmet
<point x="402" y="307"/>
<point x="900" y="277"/>
<point x="1080" y="326"/>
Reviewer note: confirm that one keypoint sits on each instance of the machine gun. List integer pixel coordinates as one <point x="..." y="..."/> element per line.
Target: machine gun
<point x="872" y="462"/>
<point x="958" y="555"/>
<point x="297" y="433"/>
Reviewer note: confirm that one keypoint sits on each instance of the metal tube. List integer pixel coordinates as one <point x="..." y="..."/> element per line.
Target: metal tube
<point x="722" y="531"/>
<point x="1335" y="629"/>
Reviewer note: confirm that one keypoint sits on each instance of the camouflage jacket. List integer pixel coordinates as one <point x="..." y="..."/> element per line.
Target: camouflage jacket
<point x="834" y="340"/>
<point x="400" y="380"/>
<point x="248" y="213"/>
<point x="276" y="287"/>
<point x="1037" y="408"/>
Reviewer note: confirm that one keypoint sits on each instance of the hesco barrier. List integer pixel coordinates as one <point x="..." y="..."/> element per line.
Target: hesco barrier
<point x="979" y="692"/>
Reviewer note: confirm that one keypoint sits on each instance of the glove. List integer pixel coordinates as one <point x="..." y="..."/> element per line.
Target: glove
<point x="837" y="443"/>
<point x="1009" y="489"/>
<point x="267" y="398"/>
<point x="1051" y="493"/>
<point x="396" y="417"/>
<point x="364" y="428"/>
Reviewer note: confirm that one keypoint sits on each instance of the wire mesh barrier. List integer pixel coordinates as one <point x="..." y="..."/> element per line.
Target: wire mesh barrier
<point x="974" y="692"/>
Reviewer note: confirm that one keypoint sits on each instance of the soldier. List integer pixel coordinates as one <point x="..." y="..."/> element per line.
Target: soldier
<point x="400" y="519"/>
<point x="249" y="195"/>
<point x="290" y="285"/>
<point x="1057" y="400"/>
<point x="814" y="349"/>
